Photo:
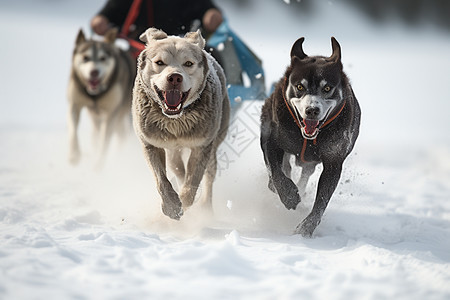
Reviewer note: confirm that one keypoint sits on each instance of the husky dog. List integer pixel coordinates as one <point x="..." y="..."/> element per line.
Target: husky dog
<point x="180" y="102"/>
<point x="101" y="80"/>
<point x="313" y="114"/>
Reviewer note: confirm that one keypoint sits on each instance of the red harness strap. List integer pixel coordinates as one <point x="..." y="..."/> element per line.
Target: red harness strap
<point x="131" y="17"/>
<point x="136" y="47"/>
<point x="305" y="141"/>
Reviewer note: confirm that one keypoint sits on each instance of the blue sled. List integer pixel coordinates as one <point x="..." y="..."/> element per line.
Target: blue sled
<point x="245" y="75"/>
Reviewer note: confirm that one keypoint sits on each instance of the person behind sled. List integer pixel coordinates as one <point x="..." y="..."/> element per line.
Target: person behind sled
<point x="177" y="17"/>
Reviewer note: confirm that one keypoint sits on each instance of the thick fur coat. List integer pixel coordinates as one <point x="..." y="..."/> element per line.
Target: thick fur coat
<point x="180" y="108"/>
<point x="101" y="81"/>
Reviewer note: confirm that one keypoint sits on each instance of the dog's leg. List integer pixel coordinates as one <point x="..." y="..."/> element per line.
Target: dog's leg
<point x="74" y="147"/>
<point x="105" y="133"/>
<point x="325" y="189"/>
<point x="273" y="156"/>
<point x="208" y="179"/>
<point x="96" y="125"/>
<point x="307" y="170"/>
<point x="287" y="168"/>
<point x="176" y="164"/>
<point x="171" y="204"/>
<point x="196" y="166"/>
<point x="265" y="136"/>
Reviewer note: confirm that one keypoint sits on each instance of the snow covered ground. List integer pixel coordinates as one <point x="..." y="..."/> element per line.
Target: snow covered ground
<point x="72" y="233"/>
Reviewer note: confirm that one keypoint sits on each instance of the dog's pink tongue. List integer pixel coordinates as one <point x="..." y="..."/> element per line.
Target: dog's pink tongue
<point x="173" y="98"/>
<point x="310" y="126"/>
<point x="94" y="83"/>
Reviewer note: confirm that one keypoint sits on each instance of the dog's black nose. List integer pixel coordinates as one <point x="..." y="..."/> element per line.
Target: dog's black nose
<point x="312" y="112"/>
<point x="175" y="79"/>
<point x="94" y="73"/>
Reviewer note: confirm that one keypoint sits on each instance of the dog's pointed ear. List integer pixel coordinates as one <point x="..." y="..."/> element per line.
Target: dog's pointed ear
<point x="152" y="34"/>
<point x="80" y="37"/>
<point x="297" y="49"/>
<point x="196" y="38"/>
<point x="336" y="55"/>
<point x="111" y="35"/>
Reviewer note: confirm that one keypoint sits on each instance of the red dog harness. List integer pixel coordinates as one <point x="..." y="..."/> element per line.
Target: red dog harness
<point x="136" y="47"/>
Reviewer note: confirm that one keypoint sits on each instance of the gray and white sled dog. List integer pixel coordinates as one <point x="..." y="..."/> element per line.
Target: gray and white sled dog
<point x="180" y="114"/>
<point x="101" y="81"/>
<point x="313" y="114"/>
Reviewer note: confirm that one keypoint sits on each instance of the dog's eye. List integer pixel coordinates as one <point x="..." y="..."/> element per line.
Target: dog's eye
<point x="160" y="63"/>
<point x="188" y="64"/>
<point x="327" y="89"/>
<point x="102" y="58"/>
<point x="300" y="87"/>
<point x="86" y="58"/>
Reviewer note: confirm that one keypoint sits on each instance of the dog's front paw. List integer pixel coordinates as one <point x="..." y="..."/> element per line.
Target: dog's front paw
<point x="187" y="197"/>
<point x="271" y="186"/>
<point x="307" y="227"/>
<point x="172" y="211"/>
<point x="289" y="195"/>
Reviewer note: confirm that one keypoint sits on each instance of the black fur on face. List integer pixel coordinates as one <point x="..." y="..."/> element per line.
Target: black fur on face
<point x="314" y="76"/>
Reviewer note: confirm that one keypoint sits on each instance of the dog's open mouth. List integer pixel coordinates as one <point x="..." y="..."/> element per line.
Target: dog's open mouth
<point x="94" y="85"/>
<point x="310" y="128"/>
<point x="172" y="100"/>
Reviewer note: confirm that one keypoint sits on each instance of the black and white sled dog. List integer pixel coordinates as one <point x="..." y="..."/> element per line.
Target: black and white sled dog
<point x="313" y="114"/>
<point x="180" y="107"/>
<point x="101" y="80"/>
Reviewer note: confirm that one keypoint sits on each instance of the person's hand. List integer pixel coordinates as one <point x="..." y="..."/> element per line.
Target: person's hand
<point x="212" y="19"/>
<point x="100" y="24"/>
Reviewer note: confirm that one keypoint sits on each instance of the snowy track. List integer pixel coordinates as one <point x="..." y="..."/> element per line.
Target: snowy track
<point x="69" y="233"/>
